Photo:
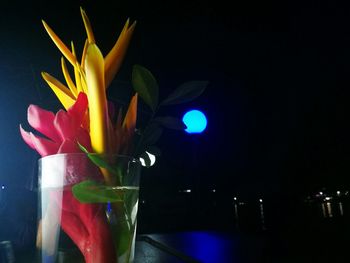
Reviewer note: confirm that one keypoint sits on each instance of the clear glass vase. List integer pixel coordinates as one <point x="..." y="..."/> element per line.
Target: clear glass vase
<point x="81" y="217"/>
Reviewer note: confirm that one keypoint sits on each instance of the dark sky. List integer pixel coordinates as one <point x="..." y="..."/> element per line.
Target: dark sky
<point x="277" y="102"/>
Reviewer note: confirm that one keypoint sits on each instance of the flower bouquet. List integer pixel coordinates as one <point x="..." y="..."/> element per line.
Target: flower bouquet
<point x="90" y="151"/>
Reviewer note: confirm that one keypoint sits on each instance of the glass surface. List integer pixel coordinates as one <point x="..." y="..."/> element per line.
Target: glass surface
<point x="99" y="231"/>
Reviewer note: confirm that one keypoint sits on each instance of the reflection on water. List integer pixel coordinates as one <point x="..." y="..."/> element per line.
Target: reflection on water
<point x="330" y="209"/>
<point x="329" y="203"/>
<point x="236" y="215"/>
<point x="249" y="213"/>
<point x="324" y="213"/>
<point x="262" y="215"/>
<point x="327" y="209"/>
<point x="341" y="208"/>
<point x="245" y="213"/>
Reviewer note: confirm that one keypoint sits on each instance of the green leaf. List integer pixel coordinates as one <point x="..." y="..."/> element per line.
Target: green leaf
<point x="82" y="148"/>
<point x="93" y="192"/>
<point x="123" y="234"/>
<point x="154" y="150"/>
<point x="98" y="160"/>
<point x="170" y="122"/>
<point x="152" y="134"/>
<point x="186" y="92"/>
<point x="145" y="85"/>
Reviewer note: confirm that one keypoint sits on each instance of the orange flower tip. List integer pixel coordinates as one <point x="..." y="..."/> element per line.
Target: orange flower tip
<point x="129" y="27"/>
<point x="82" y="12"/>
<point x="133" y="24"/>
<point x="47" y="27"/>
<point x="44" y="74"/>
<point x="73" y="49"/>
<point x="87" y="25"/>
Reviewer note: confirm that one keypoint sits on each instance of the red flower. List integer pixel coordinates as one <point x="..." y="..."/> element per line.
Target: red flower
<point x="63" y="131"/>
<point x="86" y="224"/>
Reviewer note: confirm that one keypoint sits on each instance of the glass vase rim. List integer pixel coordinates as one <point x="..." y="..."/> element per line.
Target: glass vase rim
<point x="131" y="158"/>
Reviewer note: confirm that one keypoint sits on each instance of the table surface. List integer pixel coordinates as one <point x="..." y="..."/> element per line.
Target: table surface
<point x="217" y="247"/>
<point x="196" y="246"/>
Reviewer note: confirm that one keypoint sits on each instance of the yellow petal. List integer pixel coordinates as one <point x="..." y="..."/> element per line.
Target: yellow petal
<point x="84" y="54"/>
<point x="88" y="27"/>
<point x="62" y="92"/>
<point x="82" y="79"/>
<point x="94" y="70"/>
<point x="76" y="71"/>
<point x="115" y="57"/>
<point x="61" y="46"/>
<point x="68" y="79"/>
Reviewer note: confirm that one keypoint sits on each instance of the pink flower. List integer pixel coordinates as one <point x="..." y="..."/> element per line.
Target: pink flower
<point x="63" y="131"/>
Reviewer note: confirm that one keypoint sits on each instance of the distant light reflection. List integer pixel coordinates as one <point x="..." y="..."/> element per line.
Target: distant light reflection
<point x="262" y="215"/>
<point x="185" y="191"/>
<point x="341" y="208"/>
<point x="236" y="215"/>
<point x="329" y="209"/>
<point x="324" y="210"/>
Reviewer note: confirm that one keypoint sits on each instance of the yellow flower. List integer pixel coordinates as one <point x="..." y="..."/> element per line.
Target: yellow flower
<point x="98" y="109"/>
<point x="93" y="74"/>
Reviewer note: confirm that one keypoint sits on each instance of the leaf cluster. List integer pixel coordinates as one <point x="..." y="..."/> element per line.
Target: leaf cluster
<point x="146" y="85"/>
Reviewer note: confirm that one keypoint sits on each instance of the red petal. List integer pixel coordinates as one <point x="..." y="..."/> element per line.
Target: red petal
<point x="83" y="137"/>
<point x="68" y="146"/>
<point x="72" y="225"/>
<point x="70" y="221"/>
<point x="44" y="146"/>
<point x="26" y="137"/>
<point x="78" y="110"/>
<point x="42" y="121"/>
<point x="64" y="125"/>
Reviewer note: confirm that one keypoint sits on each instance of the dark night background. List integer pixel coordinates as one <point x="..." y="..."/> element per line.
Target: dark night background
<point x="277" y="100"/>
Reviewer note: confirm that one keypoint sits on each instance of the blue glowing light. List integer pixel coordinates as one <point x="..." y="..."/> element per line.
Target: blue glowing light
<point x="195" y="121"/>
<point x="3" y="187"/>
<point x="210" y="247"/>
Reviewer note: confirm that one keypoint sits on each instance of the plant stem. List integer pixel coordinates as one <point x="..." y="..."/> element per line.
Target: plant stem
<point x="142" y="134"/>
